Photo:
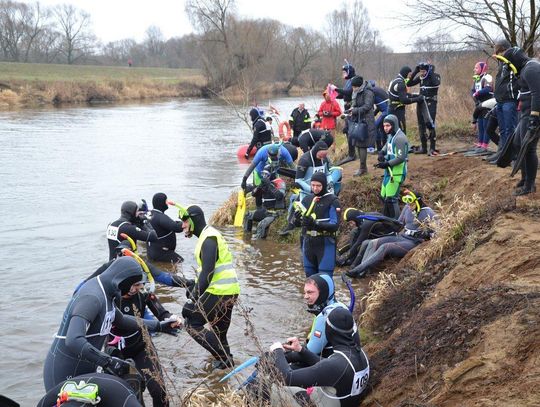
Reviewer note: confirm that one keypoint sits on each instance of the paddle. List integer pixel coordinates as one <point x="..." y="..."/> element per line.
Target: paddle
<point x="240" y="209"/>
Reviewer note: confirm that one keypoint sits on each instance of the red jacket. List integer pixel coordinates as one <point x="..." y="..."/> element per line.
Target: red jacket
<point x="329" y="122"/>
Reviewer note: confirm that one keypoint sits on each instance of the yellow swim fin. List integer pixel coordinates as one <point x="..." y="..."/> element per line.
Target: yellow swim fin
<point x="240" y="209"/>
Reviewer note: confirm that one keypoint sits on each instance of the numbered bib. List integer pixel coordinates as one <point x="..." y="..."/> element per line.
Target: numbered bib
<point x="112" y="232"/>
<point x="359" y="382"/>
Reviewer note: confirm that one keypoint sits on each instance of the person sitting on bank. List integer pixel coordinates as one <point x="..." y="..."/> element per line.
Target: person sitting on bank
<point x="418" y="220"/>
<point x="309" y="137"/>
<point x="337" y="380"/>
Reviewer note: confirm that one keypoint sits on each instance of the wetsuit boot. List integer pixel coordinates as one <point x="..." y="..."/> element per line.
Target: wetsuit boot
<point x="432" y="142"/>
<point x="351" y="155"/>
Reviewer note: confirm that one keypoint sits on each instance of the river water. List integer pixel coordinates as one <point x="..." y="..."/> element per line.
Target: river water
<point x="65" y="173"/>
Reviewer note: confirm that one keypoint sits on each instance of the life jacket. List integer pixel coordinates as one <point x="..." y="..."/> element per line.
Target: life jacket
<point x="224" y="280"/>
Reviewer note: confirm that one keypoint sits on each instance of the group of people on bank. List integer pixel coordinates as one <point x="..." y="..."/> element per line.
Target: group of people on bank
<point x="511" y="103"/>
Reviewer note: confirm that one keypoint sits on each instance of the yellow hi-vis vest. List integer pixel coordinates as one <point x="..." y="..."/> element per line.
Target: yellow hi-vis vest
<point x="224" y="280"/>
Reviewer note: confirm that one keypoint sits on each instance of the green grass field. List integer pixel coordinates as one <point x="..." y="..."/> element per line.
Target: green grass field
<point x="10" y="71"/>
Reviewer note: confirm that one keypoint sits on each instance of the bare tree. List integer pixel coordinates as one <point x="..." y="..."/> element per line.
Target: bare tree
<point x="301" y="49"/>
<point x="154" y="41"/>
<point x="483" y="21"/>
<point x="349" y="34"/>
<point x="77" y="39"/>
<point x="12" y="28"/>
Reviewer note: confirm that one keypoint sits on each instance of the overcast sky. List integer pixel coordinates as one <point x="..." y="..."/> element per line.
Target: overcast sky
<point x="118" y="19"/>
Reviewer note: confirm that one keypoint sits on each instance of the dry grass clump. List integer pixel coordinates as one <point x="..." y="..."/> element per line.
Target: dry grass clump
<point x="8" y="98"/>
<point x="376" y="294"/>
<point x="199" y="398"/>
<point x="450" y="227"/>
<point x="225" y="214"/>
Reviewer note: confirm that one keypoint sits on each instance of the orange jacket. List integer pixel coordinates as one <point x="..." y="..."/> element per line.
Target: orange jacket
<point x="332" y="107"/>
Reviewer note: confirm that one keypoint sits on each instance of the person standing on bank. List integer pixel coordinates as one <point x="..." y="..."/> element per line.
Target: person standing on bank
<point x="399" y="98"/>
<point x="362" y="111"/>
<point x="426" y="110"/>
<point x="299" y="121"/>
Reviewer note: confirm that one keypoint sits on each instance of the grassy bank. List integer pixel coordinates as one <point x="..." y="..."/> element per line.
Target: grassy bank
<point x="23" y="85"/>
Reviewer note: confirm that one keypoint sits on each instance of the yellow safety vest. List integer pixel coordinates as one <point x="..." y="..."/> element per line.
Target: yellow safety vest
<point x="224" y="280"/>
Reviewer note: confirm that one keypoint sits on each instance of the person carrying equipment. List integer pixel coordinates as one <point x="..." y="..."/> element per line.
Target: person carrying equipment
<point x="426" y="110"/>
<point x="399" y="98"/>
<point x="134" y="223"/>
<point x="526" y="137"/>
<point x="215" y="291"/>
<point x="337" y="380"/>
<point x="393" y="159"/>
<point x="318" y="214"/>
<point x="166" y="229"/>
<point x="87" y="322"/>
<point x="417" y="219"/>
<point x="262" y="131"/>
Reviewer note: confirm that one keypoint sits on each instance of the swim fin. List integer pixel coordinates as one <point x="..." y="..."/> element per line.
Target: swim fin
<point x="507" y="152"/>
<point x="527" y="140"/>
<point x="240" y="209"/>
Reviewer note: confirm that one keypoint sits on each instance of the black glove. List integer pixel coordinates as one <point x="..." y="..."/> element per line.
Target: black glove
<point x="117" y="366"/>
<point x="308" y="222"/>
<point x="383" y="164"/>
<point x="165" y="327"/>
<point x="380" y="157"/>
<point x="244" y="183"/>
<point x="191" y="291"/>
<point x="534" y="123"/>
<point x="419" y="98"/>
<point x="144" y="206"/>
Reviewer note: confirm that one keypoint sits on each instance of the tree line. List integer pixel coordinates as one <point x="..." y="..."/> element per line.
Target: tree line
<point x="234" y="51"/>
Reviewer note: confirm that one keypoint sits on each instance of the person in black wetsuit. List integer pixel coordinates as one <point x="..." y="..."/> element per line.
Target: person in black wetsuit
<point x="133" y="223"/>
<point x="112" y="391"/>
<point x="319" y="223"/>
<point x="166" y="229"/>
<point x="299" y="121"/>
<point x="339" y="379"/>
<point x="528" y="71"/>
<point x="136" y="345"/>
<point x="426" y="110"/>
<point x="308" y="138"/>
<point x="87" y="323"/>
<point x="397" y="93"/>
<point x="216" y="288"/>
<point x="262" y="131"/>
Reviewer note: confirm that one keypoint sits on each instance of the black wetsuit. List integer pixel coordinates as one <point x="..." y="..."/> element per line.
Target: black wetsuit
<point x="262" y="131"/>
<point x="299" y="121"/>
<point x="87" y="321"/>
<point x="166" y="228"/>
<point x="346" y="369"/>
<point x="429" y="88"/>
<point x="529" y="97"/>
<point x="308" y="138"/>
<point x="129" y="224"/>
<point x="319" y="237"/>
<point x="397" y="93"/>
<point x="134" y="346"/>
<point x="112" y="391"/>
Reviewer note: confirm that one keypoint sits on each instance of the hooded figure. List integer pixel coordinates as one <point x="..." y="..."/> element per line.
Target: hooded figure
<point x="362" y="111"/>
<point x="526" y="139"/>
<point x="343" y="375"/>
<point x="393" y="158"/>
<point x="87" y="322"/>
<point x="166" y="228"/>
<point x="320" y="223"/>
<point x="345" y="93"/>
<point x="313" y="161"/>
<point x="398" y="96"/>
<point x="212" y="298"/>
<point x="426" y="111"/>
<point x="262" y="132"/>
<point x="131" y="224"/>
